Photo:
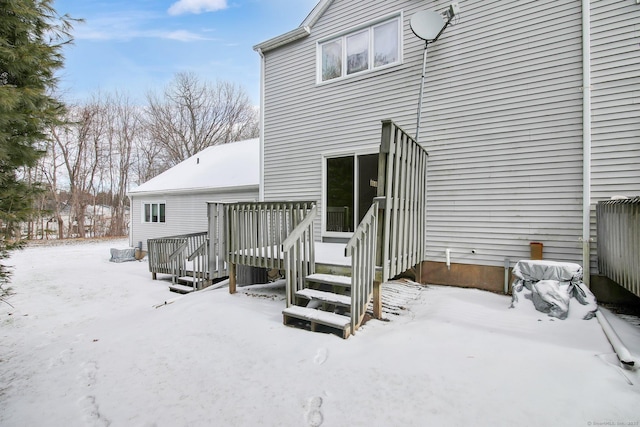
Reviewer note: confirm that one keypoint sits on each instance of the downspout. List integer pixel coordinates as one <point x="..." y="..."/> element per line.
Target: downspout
<point x="586" y="139"/>
<point x="130" y="220"/>
<point x="262" y="78"/>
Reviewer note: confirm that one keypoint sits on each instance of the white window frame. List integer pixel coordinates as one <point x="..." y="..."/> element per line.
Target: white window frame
<point x="333" y="155"/>
<point x="369" y="27"/>
<point x="143" y="216"/>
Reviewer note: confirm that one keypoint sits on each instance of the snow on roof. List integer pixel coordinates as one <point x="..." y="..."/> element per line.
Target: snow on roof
<point x="236" y="164"/>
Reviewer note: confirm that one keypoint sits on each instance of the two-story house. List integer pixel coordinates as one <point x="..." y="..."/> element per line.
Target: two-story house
<point x="530" y="116"/>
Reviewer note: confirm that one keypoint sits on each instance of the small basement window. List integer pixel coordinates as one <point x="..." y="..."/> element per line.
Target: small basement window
<point x="154" y="212"/>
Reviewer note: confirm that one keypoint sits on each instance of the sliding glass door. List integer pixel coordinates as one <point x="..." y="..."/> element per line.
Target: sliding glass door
<point x="351" y="185"/>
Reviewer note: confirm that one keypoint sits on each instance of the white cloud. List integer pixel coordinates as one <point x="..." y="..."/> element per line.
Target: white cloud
<point x="126" y="28"/>
<point x="179" y="35"/>
<point x="183" y="36"/>
<point x="196" y="6"/>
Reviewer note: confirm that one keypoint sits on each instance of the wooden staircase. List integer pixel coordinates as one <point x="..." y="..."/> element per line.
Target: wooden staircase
<point x="335" y="302"/>
<point x="184" y="257"/>
<point x="388" y="241"/>
<point x="188" y="282"/>
<point x="326" y="302"/>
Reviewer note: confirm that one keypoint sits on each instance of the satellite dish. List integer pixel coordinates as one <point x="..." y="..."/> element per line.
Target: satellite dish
<point x="427" y="24"/>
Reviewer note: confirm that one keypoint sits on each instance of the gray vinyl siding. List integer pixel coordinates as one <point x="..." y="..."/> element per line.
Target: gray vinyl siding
<point x="615" y="78"/>
<point x="503" y="127"/>
<point x="502" y="119"/>
<point x="304" y="120"/>
<point x="501" y="122"/>
<point x="185" y="213"/>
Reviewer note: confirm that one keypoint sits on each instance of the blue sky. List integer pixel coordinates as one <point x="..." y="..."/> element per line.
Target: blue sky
<point x="134" y="46"/>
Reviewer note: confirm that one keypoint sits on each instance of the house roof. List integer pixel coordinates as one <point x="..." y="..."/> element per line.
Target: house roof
<point x="225" y="166"/>
<point x="302" y="31"/>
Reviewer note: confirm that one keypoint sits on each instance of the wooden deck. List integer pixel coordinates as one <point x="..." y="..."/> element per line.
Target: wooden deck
<point x="280" y="235"/>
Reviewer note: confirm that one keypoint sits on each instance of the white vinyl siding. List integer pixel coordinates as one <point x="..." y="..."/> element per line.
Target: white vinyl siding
<point x="615" y="122"/>
<point x="185" y="213"/>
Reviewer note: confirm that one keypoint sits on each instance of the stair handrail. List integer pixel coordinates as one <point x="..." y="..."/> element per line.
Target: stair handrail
<point x="159" y="250"/>
<point x="200" y="259"/>
<point x="299" y="255"/>
<point x="177" y="261"/>
<point x="362" y="249"/>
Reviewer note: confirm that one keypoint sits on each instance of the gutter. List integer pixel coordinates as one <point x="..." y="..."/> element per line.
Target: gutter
<point x="283" y="39"/>
<point x="302" y="31"/>
<point x="130" y="220"/>
<point x="194" y="190"/>
<point x="586" y="140"/>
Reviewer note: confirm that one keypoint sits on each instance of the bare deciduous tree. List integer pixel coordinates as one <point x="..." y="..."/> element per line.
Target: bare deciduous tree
<point x="99" y="148"/>
<point x="79" y="144"/>
<point x="50" y="165"/>
<point x="124" y="128"/>
<point x="193" y="115"/>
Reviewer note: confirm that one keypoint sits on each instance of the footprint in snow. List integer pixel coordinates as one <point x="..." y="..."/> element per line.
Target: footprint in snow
<point x="314" y="416"/>
<point x="321" y="356"/>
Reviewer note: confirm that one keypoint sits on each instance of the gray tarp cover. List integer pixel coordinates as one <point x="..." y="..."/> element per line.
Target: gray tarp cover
<point x="550" y="285"/>
<point x="123" y="255"/>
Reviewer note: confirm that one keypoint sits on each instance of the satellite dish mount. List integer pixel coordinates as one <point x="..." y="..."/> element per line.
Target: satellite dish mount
<point x="429" y="26"/>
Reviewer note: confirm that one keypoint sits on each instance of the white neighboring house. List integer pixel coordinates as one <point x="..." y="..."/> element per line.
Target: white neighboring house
<point x="175" y="202"/>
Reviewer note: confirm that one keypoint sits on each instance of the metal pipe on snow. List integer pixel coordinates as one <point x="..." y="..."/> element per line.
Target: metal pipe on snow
<point x="621" y="351"/>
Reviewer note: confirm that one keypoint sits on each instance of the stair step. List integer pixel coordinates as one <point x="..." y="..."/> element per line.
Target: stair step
<point x="187" y="279"/>
<point x="328" y="297"/>
<point x="315" y="317"/>
<point x="181" y="289"/>
<point x="330" y="279"/>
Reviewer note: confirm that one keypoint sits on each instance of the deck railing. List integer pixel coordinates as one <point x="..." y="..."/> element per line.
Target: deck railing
<point x="362" y="249"/>
<point x="217" y="249"/>
<point x="255" y="232"/>
<point x="402" y="180"/>
<point x="160" y="251"/>
<point x="299" y="255"/>
<point x="618" y="224"/>
<point x="199" y="260"/>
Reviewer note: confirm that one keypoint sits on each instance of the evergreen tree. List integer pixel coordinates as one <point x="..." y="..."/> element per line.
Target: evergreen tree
<point x="32" y="35"/>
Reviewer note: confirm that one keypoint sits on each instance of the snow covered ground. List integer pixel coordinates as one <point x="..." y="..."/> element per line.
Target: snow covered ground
<point x="83" y="345"/>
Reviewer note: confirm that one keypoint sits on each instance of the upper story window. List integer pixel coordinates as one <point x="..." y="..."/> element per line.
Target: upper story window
<point x="367" y="48"/>
<point x="154" y="212"/>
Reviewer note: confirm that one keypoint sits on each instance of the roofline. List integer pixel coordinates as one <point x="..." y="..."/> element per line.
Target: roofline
<point x="301" y="32"/>
<point x="281" y="40"/>
<point x="180" y="191"/>
<point x="316" y="13"/>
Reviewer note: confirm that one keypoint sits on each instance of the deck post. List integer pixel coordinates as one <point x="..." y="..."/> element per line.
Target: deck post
<point x="377" y="299"/>
<point x="232" y="278"/>
<point x="153" y="276"/>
